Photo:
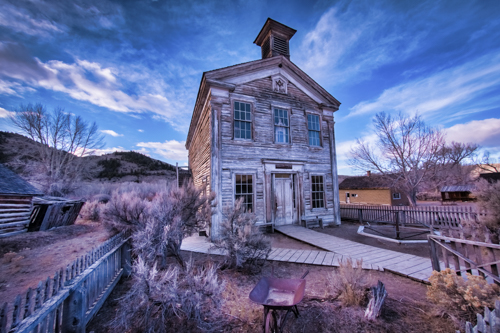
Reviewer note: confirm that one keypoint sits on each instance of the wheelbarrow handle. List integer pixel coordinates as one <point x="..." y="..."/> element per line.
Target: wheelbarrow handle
<point x="305" y="274"/>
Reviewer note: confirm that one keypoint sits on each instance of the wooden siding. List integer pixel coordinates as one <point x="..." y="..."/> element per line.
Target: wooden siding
<point x="200" y="150"/>
<point x="246" y="156"/>
<point x="14" y="214"/>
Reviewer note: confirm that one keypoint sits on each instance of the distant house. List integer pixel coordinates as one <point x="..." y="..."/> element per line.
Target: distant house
<point x="491" y="177"/>
<point x="16" y="196"/>
<point x="370" y="190"/>
<point x="457" y="193"/>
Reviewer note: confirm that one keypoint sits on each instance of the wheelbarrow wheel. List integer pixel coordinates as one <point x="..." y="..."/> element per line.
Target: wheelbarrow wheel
<point x="270" y="326"/>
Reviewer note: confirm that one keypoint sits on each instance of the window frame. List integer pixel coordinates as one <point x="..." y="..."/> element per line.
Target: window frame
<point x="319" y="131"/>
<point x="394" y="196"/>
<point x="323" y="178"/>
<point x="233" y="120"/>
<point x="289" y="113"/>
<point x="244" y="173"/>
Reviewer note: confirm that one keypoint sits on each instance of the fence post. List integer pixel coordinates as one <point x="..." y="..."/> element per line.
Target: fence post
<point x="74" y="312"/>
<point x="360" y="215"/>
<point x="126" y="259"/>
<point x="397" y="224"/>
<point x="434" y="255"/>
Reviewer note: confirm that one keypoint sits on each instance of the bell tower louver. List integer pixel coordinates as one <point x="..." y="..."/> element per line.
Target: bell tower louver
<point x="274" y="39"/>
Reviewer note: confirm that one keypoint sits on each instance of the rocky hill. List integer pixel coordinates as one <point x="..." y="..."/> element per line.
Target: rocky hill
<point x="19" y="152"/>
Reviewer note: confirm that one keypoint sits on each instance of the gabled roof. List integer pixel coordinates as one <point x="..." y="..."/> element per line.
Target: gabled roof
<point x="230" y="77"/>
<point x="372" y="182"/>
<point x="12" y="184"/>
<point x="491" y="177"/>
<point x="458" y="188"/>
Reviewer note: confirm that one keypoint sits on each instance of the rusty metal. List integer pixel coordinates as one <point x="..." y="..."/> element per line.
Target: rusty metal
<point x="279" y="297"/>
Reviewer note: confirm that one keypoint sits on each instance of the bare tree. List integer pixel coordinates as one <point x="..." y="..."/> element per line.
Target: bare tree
<point x="62" y="138"/>
<point x="407" y="152"/>
<point x="485" y="163"/>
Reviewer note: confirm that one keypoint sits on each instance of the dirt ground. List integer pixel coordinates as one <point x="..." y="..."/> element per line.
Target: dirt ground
<point x="28" y="258"/>
<point x="405" y="309"/>
<point x="348" y="230"/>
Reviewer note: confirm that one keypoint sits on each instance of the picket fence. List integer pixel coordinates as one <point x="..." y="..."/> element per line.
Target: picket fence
<point x="69" y="300"/>
<point x="489" y="323"/>
<point x="447" y="217"/>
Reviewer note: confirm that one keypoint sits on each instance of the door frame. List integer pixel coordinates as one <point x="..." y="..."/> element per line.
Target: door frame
<point x="295" y="197"/>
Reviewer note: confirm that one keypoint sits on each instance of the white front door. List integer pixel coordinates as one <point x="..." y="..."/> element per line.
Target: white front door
<point x="283" y="199"/>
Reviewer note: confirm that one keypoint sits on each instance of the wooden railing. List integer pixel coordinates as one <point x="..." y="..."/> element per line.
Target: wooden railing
<point x="69" y="300"/>
<point x="476" y="258"/>
<point x="434" y="217"/>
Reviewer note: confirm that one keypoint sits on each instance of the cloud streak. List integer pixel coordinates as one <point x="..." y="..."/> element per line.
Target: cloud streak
<point x="483" y="132"/>
<point x="452" y="89"/>
<point x="111" y="132"/>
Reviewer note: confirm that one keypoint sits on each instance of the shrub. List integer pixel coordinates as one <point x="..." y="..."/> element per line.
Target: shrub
<point x="488" y="198"/>
<point x="125" y="212"/>
<point x="159" y="297"/>
<point x="245" y="246"/>
<point x="461" y="298"/>
<point x="91" y="210"/>
<point x="350" y="283"/>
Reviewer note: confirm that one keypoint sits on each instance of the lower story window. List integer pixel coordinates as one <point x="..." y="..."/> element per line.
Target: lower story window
<point x="396" y="196"/>
<point x="244" y="189"/>
<point x="317" y="192"/>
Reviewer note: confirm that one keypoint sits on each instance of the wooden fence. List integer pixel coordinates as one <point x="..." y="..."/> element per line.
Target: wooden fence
<point x="433" y="217"/>
<point x="489" y="323"/>
<point x="462" y="255"/>
<point x="68" y="301"/>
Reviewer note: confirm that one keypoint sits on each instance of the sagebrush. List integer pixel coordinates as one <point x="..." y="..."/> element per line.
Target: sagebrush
<point x="240" y="239"/>
<point x="349" y="282"/>
<point x="461" y="298"/>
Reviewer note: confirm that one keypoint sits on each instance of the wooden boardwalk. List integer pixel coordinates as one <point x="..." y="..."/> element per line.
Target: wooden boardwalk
<point x="335" y="249"/>
<point x="404" y="264"/>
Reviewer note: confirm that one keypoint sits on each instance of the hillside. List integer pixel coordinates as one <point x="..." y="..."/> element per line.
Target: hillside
<point x="19" y="153"/>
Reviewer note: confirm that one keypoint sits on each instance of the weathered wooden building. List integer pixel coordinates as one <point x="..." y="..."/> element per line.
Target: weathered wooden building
<point x="264" y="130"/>
<point x="16" y="196"/>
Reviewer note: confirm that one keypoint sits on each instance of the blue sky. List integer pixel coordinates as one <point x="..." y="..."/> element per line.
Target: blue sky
<point x="134" y="67"/>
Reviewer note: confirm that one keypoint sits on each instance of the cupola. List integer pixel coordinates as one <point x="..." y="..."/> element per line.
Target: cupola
<point x="273" y="39"/>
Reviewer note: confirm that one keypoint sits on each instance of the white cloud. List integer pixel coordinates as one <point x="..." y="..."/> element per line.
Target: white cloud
<point x="5" y="114"/>
<point x="444" y="91"/>
<point x="18" y="20"/>
<point x="107" y="150"/>
<point x="483" y="132"/>
<point x="111" y="132"/>
<point x="172" y="150"/>
<point x="140" y="130"/>
<point x="352" y="39"/>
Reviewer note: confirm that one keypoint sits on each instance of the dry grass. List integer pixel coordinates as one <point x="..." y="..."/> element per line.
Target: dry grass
<point x="350" y="282"/>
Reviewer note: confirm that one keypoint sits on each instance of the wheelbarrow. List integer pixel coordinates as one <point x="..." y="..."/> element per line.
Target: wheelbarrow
<point x="279" y="297"/>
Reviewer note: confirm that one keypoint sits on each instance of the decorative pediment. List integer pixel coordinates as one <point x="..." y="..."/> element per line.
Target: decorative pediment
<point x="280" y="84"/>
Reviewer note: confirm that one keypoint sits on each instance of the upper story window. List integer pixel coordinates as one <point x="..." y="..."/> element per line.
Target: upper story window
<point x="313" y="129"/>
<point x="242" y="121"/>
<point x="281" y="126"/>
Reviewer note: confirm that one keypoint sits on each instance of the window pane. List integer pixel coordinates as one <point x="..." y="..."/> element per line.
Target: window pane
<point x="236" y="105"/>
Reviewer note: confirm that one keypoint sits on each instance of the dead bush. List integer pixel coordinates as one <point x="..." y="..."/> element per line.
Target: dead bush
<point x="170" y="300"/>
<point x="350" y="283"/>
<point x="91" y="210"/>
<point x="245" y="246"/>
<point x="487" y="228"/>
<point x="125" y="211"/>
<point x="461" y="298"/>
<point x="171" y="217"/>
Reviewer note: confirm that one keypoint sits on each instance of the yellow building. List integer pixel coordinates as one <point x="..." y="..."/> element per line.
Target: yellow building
<point x="370" y="190"/>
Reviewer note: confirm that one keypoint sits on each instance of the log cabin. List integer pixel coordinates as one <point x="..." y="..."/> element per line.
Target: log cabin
<point x="264" y="131"/>
<point x="16" y="205"/>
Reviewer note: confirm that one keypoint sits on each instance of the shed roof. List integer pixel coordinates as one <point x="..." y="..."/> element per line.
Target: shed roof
<point x="458" y="188"/>
<point x="364" y="182"/>
<point x="12" y="184"/>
